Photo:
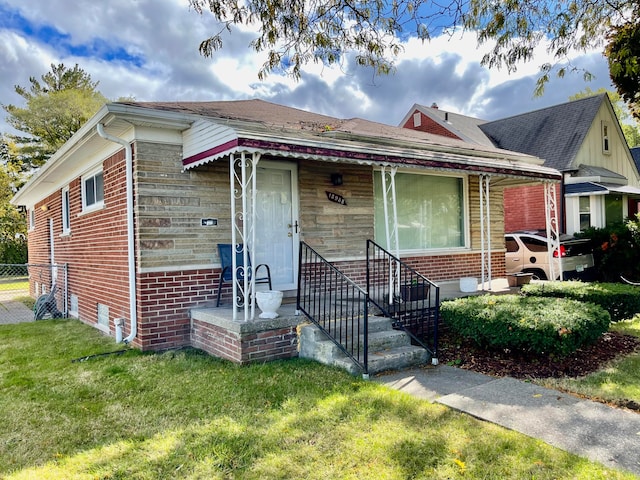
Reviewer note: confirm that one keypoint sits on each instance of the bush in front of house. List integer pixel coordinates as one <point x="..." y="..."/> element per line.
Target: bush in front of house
<point x="621" y="300"/>
<point x="527" y="324"/>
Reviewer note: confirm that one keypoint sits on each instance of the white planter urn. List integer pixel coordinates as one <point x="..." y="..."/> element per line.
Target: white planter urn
<point x="269" y="302"/>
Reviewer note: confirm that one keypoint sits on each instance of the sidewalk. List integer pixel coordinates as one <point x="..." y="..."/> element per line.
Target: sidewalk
<point x="589" y="429"/>
<point x="13" y="311"/>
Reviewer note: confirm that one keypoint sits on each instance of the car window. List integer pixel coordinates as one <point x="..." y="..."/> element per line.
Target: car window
<point x="534" y="244"/>
<point x="512" y="245"/>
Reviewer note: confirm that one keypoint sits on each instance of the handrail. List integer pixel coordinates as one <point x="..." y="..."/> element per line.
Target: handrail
<point x="335" y="304"/>
<point x="403" y="294"/>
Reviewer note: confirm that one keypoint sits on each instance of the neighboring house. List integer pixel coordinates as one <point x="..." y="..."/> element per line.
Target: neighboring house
<point x="582" y="139"/>
<point x="137" y="200"/>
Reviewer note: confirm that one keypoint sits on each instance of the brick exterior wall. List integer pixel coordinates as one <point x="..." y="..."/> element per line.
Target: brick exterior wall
<point x="245" y="347"/>
<point x="177" y="263"/>
<point x="429" y="126"/>
<point x="96" y="248"/>
<point x="524" y="208"/>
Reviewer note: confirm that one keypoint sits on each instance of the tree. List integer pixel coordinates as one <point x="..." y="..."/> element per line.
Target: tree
<point x="297" y="32"/>
<point x="57" y="105"/>
<point x="628" y="124"/>
<point x="13" y="245"/>
<point x="623" y="54"/>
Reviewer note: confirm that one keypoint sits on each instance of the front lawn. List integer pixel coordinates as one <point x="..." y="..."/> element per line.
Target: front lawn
<point x="618" y="382"/>
<point x="68" y="412"/>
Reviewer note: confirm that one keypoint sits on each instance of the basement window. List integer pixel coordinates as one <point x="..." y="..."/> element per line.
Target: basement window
<point x="103" y="317"/>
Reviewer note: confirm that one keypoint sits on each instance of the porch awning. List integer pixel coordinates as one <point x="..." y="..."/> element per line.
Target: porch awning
<point x="593" y="188"/>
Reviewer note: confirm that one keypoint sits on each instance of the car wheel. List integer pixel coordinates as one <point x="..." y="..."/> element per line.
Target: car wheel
<point x="537" y="274"/>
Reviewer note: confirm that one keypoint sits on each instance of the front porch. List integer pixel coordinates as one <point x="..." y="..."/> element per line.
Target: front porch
<point x="215" y="330"/>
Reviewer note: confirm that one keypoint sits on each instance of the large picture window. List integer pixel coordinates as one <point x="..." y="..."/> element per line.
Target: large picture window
<point x="430" y="211"/>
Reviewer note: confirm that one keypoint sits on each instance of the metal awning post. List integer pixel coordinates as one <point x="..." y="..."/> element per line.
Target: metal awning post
<point x="485" y="229"/>
<point x="242" y="178"/>
<point x="553" y="230"/>
<point x="391" y="225"/>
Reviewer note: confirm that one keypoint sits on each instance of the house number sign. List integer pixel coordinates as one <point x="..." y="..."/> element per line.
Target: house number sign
<point x="334" y="197"/>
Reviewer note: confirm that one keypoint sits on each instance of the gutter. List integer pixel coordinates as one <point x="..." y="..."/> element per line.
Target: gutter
<point x="133" y="308"/>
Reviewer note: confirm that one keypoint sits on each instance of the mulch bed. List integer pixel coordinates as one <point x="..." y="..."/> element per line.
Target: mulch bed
<point x="465" y="354"/>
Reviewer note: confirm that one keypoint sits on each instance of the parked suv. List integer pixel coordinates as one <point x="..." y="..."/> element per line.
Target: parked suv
<point x="528" y="252"/>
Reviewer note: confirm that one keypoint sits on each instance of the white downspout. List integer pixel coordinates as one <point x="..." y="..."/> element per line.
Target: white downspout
<point x="130" y="237"/>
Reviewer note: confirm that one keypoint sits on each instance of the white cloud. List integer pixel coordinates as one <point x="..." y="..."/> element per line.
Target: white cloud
<point x="159" y="41"/>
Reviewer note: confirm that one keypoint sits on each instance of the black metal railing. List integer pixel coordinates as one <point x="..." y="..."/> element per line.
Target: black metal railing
<point x="404" y="295"/>
<point x="335" y="304"/>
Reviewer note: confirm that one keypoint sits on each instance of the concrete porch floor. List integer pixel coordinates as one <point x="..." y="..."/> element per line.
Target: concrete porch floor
<point x="222" y="316"/>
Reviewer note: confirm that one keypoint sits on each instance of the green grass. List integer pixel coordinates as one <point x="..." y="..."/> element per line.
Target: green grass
<point x="618" y="383"/>
<point x="14" y="285"/>
<point x="186" y="415"/>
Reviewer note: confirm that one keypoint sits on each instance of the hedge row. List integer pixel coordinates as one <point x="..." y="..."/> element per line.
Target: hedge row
<point x="530" y="324"/>
<point x="622" y="301"/>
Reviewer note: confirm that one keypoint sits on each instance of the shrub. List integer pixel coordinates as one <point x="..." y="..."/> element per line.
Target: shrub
<point x="616" y="250"/>
<point x="529" y="324"/>
<point x="622" y="301"/>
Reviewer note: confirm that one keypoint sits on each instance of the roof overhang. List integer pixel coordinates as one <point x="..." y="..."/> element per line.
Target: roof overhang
<point x="358" y="149"/>
<point x="594" y="188"/>
<point x="71" y="160"/>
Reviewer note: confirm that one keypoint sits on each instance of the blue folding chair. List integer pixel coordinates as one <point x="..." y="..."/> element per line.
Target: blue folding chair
<point x="226" y="275"/>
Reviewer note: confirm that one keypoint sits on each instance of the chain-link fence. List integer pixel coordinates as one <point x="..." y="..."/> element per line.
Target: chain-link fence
<point x="32" y="292"/>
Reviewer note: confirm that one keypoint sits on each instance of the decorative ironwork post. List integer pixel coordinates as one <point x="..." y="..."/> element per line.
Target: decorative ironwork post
<point x="242" y="178"/>
<point x="553" y="230"/>
<point x="391" y="226"/>
<point x="485" y="229"/>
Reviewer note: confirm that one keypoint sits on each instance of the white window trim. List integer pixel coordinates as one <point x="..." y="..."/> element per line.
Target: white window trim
<point x="606" y="138"/>
<point x="66" y="211"/>
<point x="32" y="219"/>
<point x="97" y="205"/>
<point x="466" y="213"/>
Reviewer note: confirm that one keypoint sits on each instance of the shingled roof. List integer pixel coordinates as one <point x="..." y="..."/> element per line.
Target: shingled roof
<point x="554" y="133"/>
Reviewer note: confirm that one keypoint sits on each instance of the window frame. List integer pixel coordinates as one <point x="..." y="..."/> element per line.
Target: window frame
<point x="32" y="219"/>
<point x="97" y="204"/>
<point x="606" y="137"/>
<point x="464" y="211"/>
<point x="66" y="210"/>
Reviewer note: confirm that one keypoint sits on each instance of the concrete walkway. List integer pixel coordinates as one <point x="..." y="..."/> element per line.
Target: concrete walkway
<point x="13" y="311"/>
<point x="589" y="429"/>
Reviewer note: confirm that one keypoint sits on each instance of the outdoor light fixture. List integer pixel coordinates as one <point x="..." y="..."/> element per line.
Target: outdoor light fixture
<point x="336" y="179"/>
<point x="44" y="207"/>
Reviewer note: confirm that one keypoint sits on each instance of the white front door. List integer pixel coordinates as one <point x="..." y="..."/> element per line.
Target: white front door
<point x="277" y="229"/>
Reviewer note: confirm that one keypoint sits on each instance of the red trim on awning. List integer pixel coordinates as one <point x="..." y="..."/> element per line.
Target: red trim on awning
<point x="210" y="153"/>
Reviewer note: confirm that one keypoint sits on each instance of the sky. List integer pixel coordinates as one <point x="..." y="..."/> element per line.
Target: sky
<point x="148" y="49"/>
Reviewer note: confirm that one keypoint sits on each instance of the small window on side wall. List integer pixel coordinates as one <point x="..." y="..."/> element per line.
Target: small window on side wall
<point x="93" y="191"/>
<point x="32" y="219"/>
<point x="66" y="217"/>
<point x="606" y="144"/>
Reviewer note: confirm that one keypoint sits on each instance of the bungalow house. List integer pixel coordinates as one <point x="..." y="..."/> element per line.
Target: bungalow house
<point x="582" y="139"/>
<point x="136" y="202"/>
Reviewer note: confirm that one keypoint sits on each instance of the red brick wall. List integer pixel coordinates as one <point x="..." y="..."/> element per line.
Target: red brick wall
<point x="164" y="302"/>
<point x="245" y="348"/>
<point x="429" y="126"/>
<point x="524" y="208"/>
<point x="435" y="267"/>
<point x="96" y="248"/>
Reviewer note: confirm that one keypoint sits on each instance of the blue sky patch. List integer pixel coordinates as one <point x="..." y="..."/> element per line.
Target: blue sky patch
<point x="62" y="42"/>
